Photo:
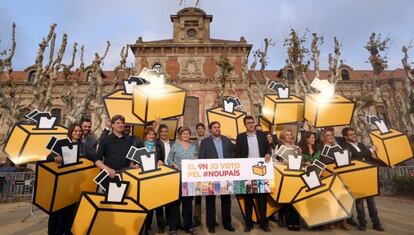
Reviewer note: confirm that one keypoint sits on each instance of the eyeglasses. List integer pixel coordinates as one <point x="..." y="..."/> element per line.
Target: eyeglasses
<point x="248" y="123"/>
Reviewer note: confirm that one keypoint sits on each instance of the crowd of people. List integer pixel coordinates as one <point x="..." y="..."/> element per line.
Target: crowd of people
<point x="109" y="151"/>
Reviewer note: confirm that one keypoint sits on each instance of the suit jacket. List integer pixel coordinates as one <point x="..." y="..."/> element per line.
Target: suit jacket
<point x="365" y="154"/>
<point x="242" y="146"/>
<point x="208" y="149"/>
<point x="161" y="148"/>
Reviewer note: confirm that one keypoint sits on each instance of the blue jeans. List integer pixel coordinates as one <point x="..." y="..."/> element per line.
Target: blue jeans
<point x="372" y="209"/>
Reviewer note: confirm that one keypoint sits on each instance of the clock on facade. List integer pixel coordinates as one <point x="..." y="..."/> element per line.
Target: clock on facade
<point x="191" y="33"/>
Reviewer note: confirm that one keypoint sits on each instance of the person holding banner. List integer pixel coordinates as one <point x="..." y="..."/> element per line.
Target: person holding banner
<point x="154" y="146"/>
<point x="181" y="150"/>
<point x="253" y="144"/>
<point x="287" y="213"/>
<point x="217" y="146"/>
<point x="361" y="152"/>
<point x="201" y="134"/>
<point x="60" y="222"/>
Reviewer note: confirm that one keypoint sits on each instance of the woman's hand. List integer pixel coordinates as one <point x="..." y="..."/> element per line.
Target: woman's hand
<point x="160" y="163"/>
<point x="58" y="159"/>
<point x="308" y="164"/>
<point x="175" y="166"/>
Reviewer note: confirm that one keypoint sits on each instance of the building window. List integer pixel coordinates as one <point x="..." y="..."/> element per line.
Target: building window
<point x="290" y="75"/>
<point x="31" y="77"/>
<point x="57" y="112"/>
<point x="158" y="68"/>
<point x="345" y="74"/>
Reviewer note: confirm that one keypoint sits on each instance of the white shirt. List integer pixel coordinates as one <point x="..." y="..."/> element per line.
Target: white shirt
<point x="167" y="148"/>
<point x="253" y="145"/>
<point x="355" y="145"/>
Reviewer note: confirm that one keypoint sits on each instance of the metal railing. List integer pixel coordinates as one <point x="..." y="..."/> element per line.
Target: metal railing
<point x="386" y="177"/>
<point x="15" y="186"/>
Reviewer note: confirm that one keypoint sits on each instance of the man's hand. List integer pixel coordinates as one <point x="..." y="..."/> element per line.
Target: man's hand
<point x="160" y="163"/>
<point x="58" y="159"/>
<point x="374" y="148"/>
<point x="112" y="172"/>
<point x="267" y="158"/>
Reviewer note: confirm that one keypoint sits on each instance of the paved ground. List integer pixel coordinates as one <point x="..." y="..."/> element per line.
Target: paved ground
<point x="396" y="214"/>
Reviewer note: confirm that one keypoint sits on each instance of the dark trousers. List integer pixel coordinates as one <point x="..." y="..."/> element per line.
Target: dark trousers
<point x="160" y="218"/>
<point x="372" y="209"/>
<point x="197" y="208"/>
<point x="248" y="205"/>
<point x="225" y="210"/>
<point x="173" y="213"/>
<point x="291" y="217"/>
<point x="60" y="222"/>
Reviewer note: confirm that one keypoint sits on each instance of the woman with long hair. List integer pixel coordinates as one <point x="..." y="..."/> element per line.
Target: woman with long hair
<point x="181" y="150"/>
<point x="60" y="222"/>
<point x="310" y="150"/>
<point x="287" y="212"/>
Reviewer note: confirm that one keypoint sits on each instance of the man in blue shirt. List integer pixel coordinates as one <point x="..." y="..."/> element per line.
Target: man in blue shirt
<point x="217" y="146"/>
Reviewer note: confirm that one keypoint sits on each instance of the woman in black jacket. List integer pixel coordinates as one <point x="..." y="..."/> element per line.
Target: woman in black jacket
<point x="60" y="222"/>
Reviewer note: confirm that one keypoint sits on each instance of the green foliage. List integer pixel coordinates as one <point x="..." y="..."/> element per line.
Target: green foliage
<point x="404" y="185"/>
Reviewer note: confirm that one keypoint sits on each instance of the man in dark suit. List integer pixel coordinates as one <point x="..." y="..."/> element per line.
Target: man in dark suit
<point x="88" y="140"/>
<point x="217" y="146"/>
<point x="361" y="152"/>
<point x="201" y="134"/>
<point x="254" y="144"/>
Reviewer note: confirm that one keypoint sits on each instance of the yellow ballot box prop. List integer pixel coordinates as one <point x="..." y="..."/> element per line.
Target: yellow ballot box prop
<point x="282" y="111"/>
<point x="287" y="184"/>
<point x="231" y="123"/>
<point x="360" y="177"/>
<point x="58" y="187"/>
<point x="164" y="102"/>
<point x="323" y="112"/>
<point x="120" y="103"/>
<point x="26" y="143"/>
<point x="393" y="148"/>
<point x="271" y="207"/>
<point x="153" y="189"/>
<point x="328" y="203"/>
<point x="95" y="217"/>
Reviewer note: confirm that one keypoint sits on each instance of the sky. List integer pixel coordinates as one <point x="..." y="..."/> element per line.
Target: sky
<point x="93" y="22"/>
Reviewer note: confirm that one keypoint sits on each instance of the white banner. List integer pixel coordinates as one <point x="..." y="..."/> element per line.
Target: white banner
<point x="226" y="176"/>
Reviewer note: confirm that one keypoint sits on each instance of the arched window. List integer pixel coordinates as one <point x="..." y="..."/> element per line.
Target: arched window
<point x="57" y="112"/>
<point x="345" y="75"/>
<point x="158" y="67"/>
<point x="31" y="77"/>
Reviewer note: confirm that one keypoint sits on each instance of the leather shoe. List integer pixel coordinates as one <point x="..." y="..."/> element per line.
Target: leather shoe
<point x="211" y="230"/>
<point x="362" y="227"/>
<point x="379" y="227"/>
<point x="229" y="228"/>
<point x="247" y="229"/>
<point x="266" y="229"/>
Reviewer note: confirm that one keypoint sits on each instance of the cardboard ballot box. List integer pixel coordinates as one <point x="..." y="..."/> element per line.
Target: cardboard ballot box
<point x="231" y="124"/>
<point x="271" y="207"/>
<point x="120" y="103"/>
<point x="153" y="189"/>
<point x="259" y="169"/>
<point x="95" y="217"/>
<point x="287" y="184"/>
<point x="58" y="187"/>
<point x="329" y="203"/>
<point x="165" y="102"/>
<point x="393" y="148"/>
<point x="28" y="144"/>
<point x="361" y="178"/>
<point x="281" y="111"/>
<point x="323" y="112"/>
